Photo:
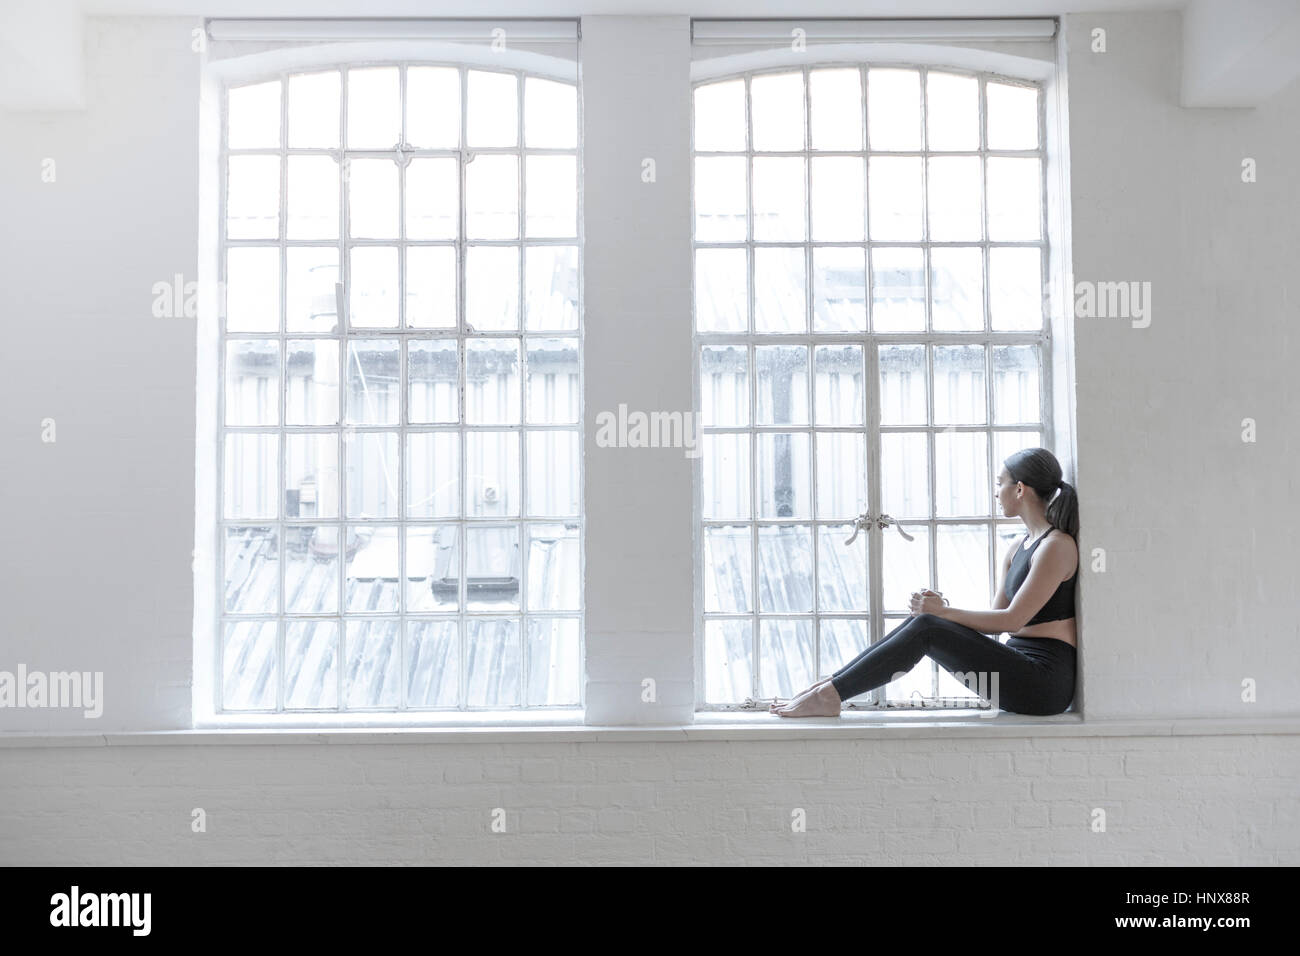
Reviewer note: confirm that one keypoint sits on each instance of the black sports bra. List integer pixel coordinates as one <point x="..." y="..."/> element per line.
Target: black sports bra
<point x="1060" y="605"/>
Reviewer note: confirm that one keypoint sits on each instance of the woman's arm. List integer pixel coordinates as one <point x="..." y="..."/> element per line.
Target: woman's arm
<point x="1047" y="569"/>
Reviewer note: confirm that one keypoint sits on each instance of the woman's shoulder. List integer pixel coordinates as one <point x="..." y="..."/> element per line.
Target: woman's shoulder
<point x="1062" y="543"/>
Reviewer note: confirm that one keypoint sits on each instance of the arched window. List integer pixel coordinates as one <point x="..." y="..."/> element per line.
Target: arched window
<point x="399" y="391"/>
<point x="871" y="339"/>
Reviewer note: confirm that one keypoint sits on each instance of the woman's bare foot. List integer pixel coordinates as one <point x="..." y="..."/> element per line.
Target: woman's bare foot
<point x="823" y="702"/>
<point x="779" y="702"/>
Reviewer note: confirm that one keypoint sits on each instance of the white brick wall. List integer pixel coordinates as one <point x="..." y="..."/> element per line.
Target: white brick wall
<point x="1227" y="800"/>
<point x="1198" y="528"/>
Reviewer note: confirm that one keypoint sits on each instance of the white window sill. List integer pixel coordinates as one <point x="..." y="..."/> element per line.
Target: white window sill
<point x="711" y="726"/>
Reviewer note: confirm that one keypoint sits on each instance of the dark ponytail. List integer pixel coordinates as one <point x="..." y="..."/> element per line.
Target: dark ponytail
<point x="1039" y="469"/>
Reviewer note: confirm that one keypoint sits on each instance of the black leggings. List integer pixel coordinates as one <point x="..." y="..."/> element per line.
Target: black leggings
<point x="1034" y="675"/>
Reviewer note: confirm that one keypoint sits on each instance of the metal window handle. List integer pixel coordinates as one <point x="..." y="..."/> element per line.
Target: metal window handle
<point x="864" y="521"/>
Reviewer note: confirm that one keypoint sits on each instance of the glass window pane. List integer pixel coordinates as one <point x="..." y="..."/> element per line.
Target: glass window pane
<point x="841" y="571"/>
<point x="252" y="570"/>
<point x="721" y="204"/>
<point x="248" y="673"/>
<point x="838" y="203"/>
<point x="253" y="289"/>
<point x="314" y="116"/>
<point x="786" y="657"/>
<point x="492" y="568"/>
<point x="904" y="477"/>
<point x="492" y="381"/>
<point x="902" y="385"/>
<point x="720" y="116"/>
<point x="780" y="199"/>
<point x="433" y="107"/>
<point x="782" y="384"/>
<point x="253" y="116"/>
<point x="433" y="381"/>
<point x="957" y="289"/>
<point x="312" y="396"/>
<point x="962" y="559"/>
<point x="313" y="198"/>
<point x="841" y="641"/>
<point x="374" y="381"/>
<point x="374" y="108"/>
<point x="493" y="109"/>
<point x="780" y="290"/>
<point x="839" y="290"/>
<point x="432" y="198"/>
<point x="838" y="384"/>
<point x="311" y="485"/>
<point x="721" y="290"/>
<point x="906" y="566"/>
<point x="252" y="382"/>
<point x="894" y="109"/>
<point x="841" y="475"/>
<point x="959" y="385"/>
<point x="372" y="471"/>
<point x="728" y="660"/>
<point x="554" y="567"/>
<point x="553" y="474"/>
<point x="953" y="198"/>
<point x="431" y="287"/>
<point x="724" y="385"/>
<point x="492" y="678"/>
<point x="492" y="288"/>
<point x="1015" y="198"/>
<point x="553" y="396"/>
<point x="252" y="475"/>
<point x="550" y="114"/>
<point x="895" y="197"/>
<point x="432" y="568"/>
<point x="961" y="474"/>
<point x="432" y="475"/>
<point x="784" y="475"/>
<point x="952" y="111"/>
<point x="373" y="301"/>
<point x="311" y="571"/>
<point x="371" y="660"/>
<point x="1012" y="116"/>
<point x="1016" y="290"/>
<point x="371" y="570"/>
<point x="785" y="568"/>
<point x="432" y="663"/>
<point x="1016" y="383"/>
<point x="492" y="197"/>
<point x="551" y="288"/>
<point x="253" y="197"/>
<point x="312" y="300"/>
<point x="724" y="490"/>
<point x="728" y="569"/>
<point x="491" y="474"/>
<point x="836" y="118"/>
<point x="311" y="665"/>
<point x="897" y="290"/>
<point x="372" y="198"/>
<point x="551" y="186"/>
<point x="777" y="103"/>
<point x="553" y="645"/>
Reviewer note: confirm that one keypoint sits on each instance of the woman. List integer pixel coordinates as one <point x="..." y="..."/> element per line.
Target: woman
<point x="1035" y="605"/>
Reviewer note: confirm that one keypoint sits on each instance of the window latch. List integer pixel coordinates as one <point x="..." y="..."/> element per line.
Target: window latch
<point x="864" y="521"/>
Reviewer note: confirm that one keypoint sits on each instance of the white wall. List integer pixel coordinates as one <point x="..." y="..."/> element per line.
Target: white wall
<point x="1197" y="526"/>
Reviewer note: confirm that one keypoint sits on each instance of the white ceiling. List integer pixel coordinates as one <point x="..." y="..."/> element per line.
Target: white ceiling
<point x="1235" y="52"/>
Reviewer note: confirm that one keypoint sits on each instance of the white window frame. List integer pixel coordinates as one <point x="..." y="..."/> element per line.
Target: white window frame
<point x="877" y="621"/>
<point x="210" y="616"/>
